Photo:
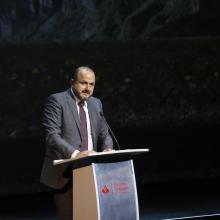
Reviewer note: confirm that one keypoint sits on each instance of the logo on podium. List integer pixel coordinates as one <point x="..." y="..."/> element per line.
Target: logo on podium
<point x="105" y="190"/>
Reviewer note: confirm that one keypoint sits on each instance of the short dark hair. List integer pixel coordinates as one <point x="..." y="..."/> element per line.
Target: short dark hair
<point x="79" y="69"/>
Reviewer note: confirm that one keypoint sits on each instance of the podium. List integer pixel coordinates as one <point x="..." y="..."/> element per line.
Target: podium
<point x="104" y="185"/>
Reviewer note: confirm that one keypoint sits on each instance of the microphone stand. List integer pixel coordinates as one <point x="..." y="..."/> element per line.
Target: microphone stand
<point x="115" y="139"/>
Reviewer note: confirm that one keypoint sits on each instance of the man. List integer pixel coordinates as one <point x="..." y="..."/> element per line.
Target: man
<point x="74" y="128"/>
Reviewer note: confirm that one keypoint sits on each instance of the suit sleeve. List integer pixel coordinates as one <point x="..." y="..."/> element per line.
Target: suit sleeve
<point x="52" y="121"/>
<point x="105" y="139"/>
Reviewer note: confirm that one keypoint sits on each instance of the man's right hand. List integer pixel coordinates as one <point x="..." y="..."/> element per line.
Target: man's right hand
<point x="84" y="154"/>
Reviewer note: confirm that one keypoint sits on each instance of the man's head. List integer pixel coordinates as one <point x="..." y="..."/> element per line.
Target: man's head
<point x="83" y="83"/>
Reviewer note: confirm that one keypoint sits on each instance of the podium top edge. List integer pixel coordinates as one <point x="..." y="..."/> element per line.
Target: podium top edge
<point x="99" y="154"/>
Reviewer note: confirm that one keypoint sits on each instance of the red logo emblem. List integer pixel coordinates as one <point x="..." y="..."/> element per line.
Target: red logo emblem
<point x="105" y="189"/>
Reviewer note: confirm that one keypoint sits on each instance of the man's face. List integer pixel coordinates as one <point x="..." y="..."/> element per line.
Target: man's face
<point x="83" y="85"/>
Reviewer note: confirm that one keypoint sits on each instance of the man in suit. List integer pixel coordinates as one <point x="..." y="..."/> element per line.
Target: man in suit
<point x="74" y="128"/>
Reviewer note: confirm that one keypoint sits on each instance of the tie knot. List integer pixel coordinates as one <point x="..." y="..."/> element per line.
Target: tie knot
<point x="81" y="103"/>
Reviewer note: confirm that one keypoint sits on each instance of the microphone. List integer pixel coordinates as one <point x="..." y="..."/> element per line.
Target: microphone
<point x="115" y="139"/>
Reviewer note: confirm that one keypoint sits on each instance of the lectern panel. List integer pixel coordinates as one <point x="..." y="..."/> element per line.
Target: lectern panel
<point x="84" y="195"/>
<point x="116" y="189"/>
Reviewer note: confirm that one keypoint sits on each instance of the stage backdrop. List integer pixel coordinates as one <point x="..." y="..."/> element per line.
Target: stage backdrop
<point x="158" y="75"/>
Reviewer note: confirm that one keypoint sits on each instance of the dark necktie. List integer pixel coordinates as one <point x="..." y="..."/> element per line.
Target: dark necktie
<point x="83" y="126"/>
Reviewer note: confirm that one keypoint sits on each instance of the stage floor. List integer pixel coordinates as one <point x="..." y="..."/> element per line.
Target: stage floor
<point x="157" y="201"/>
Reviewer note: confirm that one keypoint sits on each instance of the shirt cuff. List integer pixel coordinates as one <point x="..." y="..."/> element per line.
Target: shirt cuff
<point x="75" y="153"/>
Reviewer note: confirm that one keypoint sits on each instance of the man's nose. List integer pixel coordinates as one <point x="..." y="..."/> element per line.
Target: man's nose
<point x="87" y="86"/>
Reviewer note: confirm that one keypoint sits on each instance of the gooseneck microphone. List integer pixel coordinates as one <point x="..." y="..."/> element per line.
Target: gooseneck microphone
<point x="115" y="139"/>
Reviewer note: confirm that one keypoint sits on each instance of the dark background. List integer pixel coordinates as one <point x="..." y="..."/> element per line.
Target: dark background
<point x="158" y="75"/>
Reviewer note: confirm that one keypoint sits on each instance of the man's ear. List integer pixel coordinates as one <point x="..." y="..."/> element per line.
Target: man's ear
<point x="72" y="81"/>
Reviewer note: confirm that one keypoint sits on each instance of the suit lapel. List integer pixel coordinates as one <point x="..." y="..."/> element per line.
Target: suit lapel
<point x="72" y="105"/>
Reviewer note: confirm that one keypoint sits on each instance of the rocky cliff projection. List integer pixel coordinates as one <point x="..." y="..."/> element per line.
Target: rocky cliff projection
<point x="95" y="20"/>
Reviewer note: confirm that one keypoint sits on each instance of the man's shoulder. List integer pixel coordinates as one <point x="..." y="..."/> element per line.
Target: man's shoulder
<point x="59" y="97"/>
<point x="59" y="94"/>
<point x="95" y="103"/>
<point x="93" y="99"/>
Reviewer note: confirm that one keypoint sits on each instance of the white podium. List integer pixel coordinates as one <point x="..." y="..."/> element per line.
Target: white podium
<point x="104" y="185"/>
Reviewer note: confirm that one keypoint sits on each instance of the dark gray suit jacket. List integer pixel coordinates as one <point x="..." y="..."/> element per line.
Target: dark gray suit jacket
<point x="61" y="123"/>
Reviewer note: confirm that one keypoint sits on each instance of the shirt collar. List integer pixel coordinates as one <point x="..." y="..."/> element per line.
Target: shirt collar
<point x="77" y="99"/>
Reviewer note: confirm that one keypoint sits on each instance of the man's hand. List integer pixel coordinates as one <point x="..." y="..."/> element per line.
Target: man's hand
<point x="108" y="149"/>
<point x="84" y="154"/>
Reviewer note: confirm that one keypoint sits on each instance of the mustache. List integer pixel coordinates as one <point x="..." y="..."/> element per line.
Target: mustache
<point x="85" y="91"/>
